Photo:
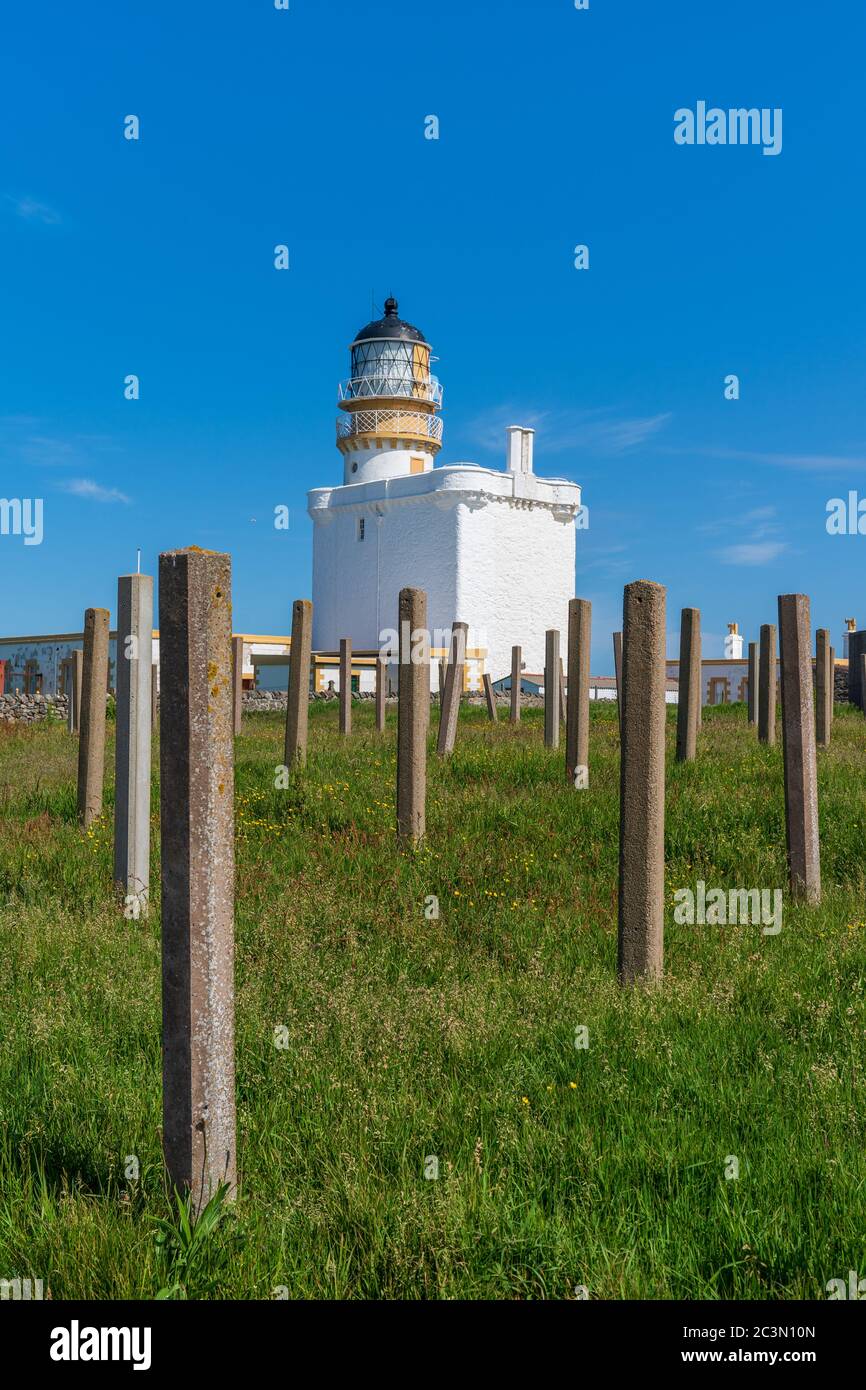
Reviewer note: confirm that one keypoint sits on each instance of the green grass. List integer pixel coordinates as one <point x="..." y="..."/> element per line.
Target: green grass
<point x="409" y="1037"/>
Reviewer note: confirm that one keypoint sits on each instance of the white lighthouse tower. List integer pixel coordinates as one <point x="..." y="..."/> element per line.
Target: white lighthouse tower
<point x="390" y="426"/>
<point x="492" y="548"/>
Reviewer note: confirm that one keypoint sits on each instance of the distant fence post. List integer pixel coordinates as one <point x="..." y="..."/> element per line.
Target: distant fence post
<point x="798" y="742"/>
<point x="237" y="683"/>
<point x="77" y="688"/>
<point x="413" y="717"/>
<point x="767" y="685"/>
<point x="154" y="694"/>
<point x="298" y="701"/>
<point x="450" y="709"/>
<point x="91" y="715"/>
<point x="489" y="696"/>
<point x="551" y="688"/>
<point x="132" y="740"/>
<point x="563" y="708"/>
<point x="345" y="685"/>
<point x="823" y="687"/>
<point x="197" y="830"/>
<point x="617" y="670"/>
<point x="516" y="671"/>
<point x="577" y="713"/>
<point x="689" y="695"/>
<point x="381" y="684"/>
<point x="832" y="685"/>
<point x="754" y="682"/>
<point x="642" y="785"/>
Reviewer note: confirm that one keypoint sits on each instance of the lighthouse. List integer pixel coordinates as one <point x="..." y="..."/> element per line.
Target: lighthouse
<point x="389" y="423"/>
<point x="492" y="547"/>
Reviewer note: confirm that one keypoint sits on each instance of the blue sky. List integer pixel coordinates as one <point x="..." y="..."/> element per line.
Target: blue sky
<point x="306" y="127"/>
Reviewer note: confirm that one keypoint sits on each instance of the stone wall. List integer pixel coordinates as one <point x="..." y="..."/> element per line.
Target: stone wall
<point x="28" y="709"/>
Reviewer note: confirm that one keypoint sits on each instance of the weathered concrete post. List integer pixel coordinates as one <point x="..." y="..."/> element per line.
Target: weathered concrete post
<point x="753" y="682"/>
<point x="798" y="744"/>
<point x="91" y="715"/>
<point x="237" y="683"/>
<point x="197" y="830"/>
<point x="767" y="685"/>
<point x="298" y="702"/>
<point x="689" y="695"/>
<point x="823" y="687"/>
<point x="642" y="785"/>
<point x="413" y="718"/>
<point x="77" y="686"/>
<point x="516" y="671"/>
<point x="345" y="685"/>
<point x="443" y="668"/>
<point x="489" y="696"/>
<point x="132" y="741"/>
<point x="863" y="678"/>
<point x="563" y="706"/>
<point x="577" y="714"/>
<point x="617" y="670"/>
<point x="381" y="683"/>
<point x="551" y="688"/>
<point x="453" y="690"/>
<point x="154" y="694"/>
<point x="832" y="660"/>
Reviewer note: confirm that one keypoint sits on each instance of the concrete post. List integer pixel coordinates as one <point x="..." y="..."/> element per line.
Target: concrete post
<point x="489" y="697"/>
<point x="551" y="688"/>
<point x="562" y="699"/>
<point x="77" y="686"/>
<point x="823" y="688"/>
<point x="298" y="701"/>
<point x="767" y="685"/>
<point x="345" y="685"/>
<point x="642" y="785"/>
<point x="197" y="829"/>
<point x="154" y="695"/>
<point x="453" y="690"/>
<point x="516" y="675"/>
<point x="617" y="670"/>
<point x="443" y="669"/>
<point x="798" y="743"/>
<point x="381" y="683"/>
<point x="832" y="685"/>
<point x="413" y="717"/>
<point x="753" y="682"/>
<point x="689" y="694"/>
<point x="237" y="683"/>
<point x="577" y="714"/>
<point x="863" y="679"/>
<point x="132" y="741"/>
<point x="91" y="715"/>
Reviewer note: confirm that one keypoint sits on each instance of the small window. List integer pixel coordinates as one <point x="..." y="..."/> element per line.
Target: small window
<point x="360" y="528"/>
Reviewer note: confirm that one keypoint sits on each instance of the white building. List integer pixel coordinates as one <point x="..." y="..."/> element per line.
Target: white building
<point x="492" y="548"/>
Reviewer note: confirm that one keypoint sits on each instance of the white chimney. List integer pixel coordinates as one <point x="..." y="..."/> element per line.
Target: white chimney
<point x="518" y="449"/>
<point x="733" y="643"/>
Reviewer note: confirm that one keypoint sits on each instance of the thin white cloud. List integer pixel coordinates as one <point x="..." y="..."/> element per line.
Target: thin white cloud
<point x="804" y="463"/>
<point x="86" y="487"/>
<point x="751" y="553"/>
<point x="32" y="211"/>
<point x="585" y="431"/>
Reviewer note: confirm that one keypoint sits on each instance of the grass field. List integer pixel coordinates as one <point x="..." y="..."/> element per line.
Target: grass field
<point x="408" y="1037"/>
